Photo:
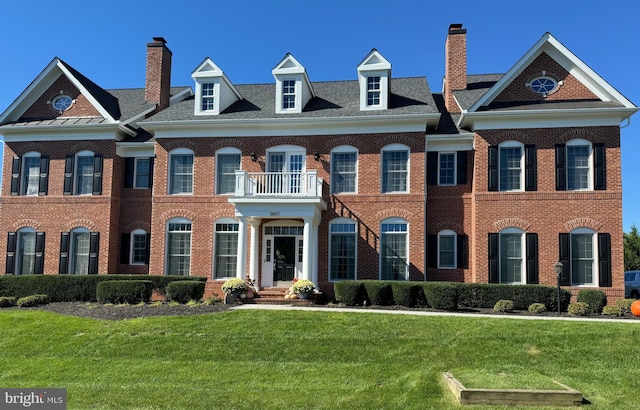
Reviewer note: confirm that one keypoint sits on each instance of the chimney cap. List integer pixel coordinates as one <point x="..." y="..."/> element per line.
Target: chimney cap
<point x="456" y="28"/>
<point x="159" y="40"/>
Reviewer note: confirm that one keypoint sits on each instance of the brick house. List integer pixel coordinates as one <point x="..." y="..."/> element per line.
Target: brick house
<point x="492" y="180"/>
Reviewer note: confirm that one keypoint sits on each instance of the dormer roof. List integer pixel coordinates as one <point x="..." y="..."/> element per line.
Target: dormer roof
<point x="223" y="92"/>
<point x="290" y="69"/>
<point x="374" y="76"/>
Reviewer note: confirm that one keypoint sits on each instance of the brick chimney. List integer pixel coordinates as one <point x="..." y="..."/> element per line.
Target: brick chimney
<point x="455" y="64"/>
<point x="158" y="84"/>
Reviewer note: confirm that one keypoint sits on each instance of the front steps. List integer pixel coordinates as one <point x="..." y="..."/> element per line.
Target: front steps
<point x="276" y="296"/>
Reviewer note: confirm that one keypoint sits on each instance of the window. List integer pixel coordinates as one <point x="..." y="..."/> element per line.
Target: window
<point x="227" y="163"/>
<point x="208" y="97"/>
<point x="25" y="252"/>
<point x="582" y="259"/>
<point x="586" y="258"/>
<point x="511" y="256"/>
<point x="373" y="90"/>
<point x="580" y="166"/>
<point x="342" y="250"/>
<point x="61" y="103"/>
<point x="288" y="94"/>
<point x="344" y="170"/>
<point x="181" y="171"/>
<point x="138" y="173"/>
<point x="510" y="157"/>
<point x="394" y="253"/>
<point x="447" y="249"/>
<point x="178" y="247"/>
<point x="513" y="167"/>
<point x="139" y="247"/>
<point x="225" y="256"/>
<point x="30" y="174"/>
<point x="447" y="168"/>
<point x="83" y="174"/>
<point x="543" y="85"/>
<point x="79" y="252"/>
<point x="395" y="163"/>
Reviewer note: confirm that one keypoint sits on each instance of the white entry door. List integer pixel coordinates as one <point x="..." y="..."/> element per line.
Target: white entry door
<point x="290" y="165"/>
<point x="282" y="254"/>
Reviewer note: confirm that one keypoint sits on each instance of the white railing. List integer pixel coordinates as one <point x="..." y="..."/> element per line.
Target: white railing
<point x="282" y="184"/>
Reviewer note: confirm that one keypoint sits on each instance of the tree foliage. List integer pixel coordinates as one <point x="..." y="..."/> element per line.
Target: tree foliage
<point x="632" y="249"/>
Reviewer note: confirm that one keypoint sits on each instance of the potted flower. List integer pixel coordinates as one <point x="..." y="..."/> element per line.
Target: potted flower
<point x="251" y="288"/>
<point x="234" y="287"/>
<point x="303" y="288"/>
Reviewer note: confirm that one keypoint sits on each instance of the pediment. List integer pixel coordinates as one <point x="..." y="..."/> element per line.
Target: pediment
<point x="374" y="61"/>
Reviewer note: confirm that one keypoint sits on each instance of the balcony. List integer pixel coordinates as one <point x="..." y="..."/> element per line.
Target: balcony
<point x="278" y="184"/>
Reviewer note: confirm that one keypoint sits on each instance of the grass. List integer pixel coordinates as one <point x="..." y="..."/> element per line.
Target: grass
<point x="304" y="359"/>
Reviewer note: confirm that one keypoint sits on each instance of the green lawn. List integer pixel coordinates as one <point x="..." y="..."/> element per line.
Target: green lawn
<point x="306" y="360"/>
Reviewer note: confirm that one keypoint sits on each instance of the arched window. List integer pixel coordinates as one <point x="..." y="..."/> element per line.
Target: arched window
<point x="225" y="248"/>
<point x="395" y="168"/>
<point x="394" y="249"/>
<point x="584" y="266"/>
<point x="80" y="246"/>
<point x="342" y="249"/>
<point x="344" y="170"/>
<point x="512" y="251"/>
<point x="178" y="247"/>
<point x="181" y="171"/>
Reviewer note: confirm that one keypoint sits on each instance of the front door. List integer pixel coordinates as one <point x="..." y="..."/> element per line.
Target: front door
<point x="282" y="253"/>
<point x="284" y="260"/>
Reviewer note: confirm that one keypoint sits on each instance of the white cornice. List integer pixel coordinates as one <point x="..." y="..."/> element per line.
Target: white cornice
<point x="84" y="132"/>
<point x="292" y="126"/>
<point x="450" y="142"/>
<point x="136" y="149"/>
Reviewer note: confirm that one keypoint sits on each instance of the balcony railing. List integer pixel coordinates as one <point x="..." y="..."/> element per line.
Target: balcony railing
<point x="278" y="184"/>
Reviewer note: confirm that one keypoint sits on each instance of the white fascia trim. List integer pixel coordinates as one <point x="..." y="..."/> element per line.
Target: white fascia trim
<point x="80" y="133"/>
<point x="518" y="119"/>
<point x="187" y="92"/>
<point x="86" y="93"/>
<point x="136" y="149"/>
<point x="142" y="115"/>
<point x="451" y="142"/>
<point x="292" y="126"/>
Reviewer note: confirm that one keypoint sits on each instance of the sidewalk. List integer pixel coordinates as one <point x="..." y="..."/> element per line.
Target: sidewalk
<point x="320" y="308"/>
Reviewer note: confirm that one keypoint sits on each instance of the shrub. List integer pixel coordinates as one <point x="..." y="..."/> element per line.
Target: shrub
<point x="595" y="298"/>
<point x="378" y="292"/>
<point x="441" y="295"/>
<point x="7" y="301"/>
<point x="612" y="310"/>
<point x="33" y="300"/>
<point x="124" y="291"/>
<point x="235" y="285"/>
<point x="185" y="291"/>
<point x="624" y="305"/>
<point x="503" y="306"/>
<point x="405" y="293"/>
<point x="537" y="308"/>
<point x="350" y="292"/>
<point x="303" y="286"/>
<point x="578" y="309"/>
<point x="478" y="295"/>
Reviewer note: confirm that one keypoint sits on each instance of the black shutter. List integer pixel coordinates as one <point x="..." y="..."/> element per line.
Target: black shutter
<point x="65" y="238"/>
<point x="97" y="174"/>
<point x="494" y="272"/>
<point x="532" y="258"/>
<point x="600" y="167"/>
<point x="432" y="168"/>
<point x="432" y="251"/>
<point x="125" y="246"/>
<point x="493" y="168"/>
<point x="565" y="258"/>
<point x="43" y="182"/>
<point x="15" y="176"/>
<point x="461" y="163"/>
<point x="530" y="168"/>
<point x="68" y="174"/>
<point x="463" y="252"/>
<point x="94" y="247"/>
<point x="151" y="161"/>
<point x="39" y="260"/>
<point x="11" y="253"/>
<point x="147" y="255"/>
<point x="561" y="169"/>
<point x="129" y="168"/>
<point x="604" y="259"/>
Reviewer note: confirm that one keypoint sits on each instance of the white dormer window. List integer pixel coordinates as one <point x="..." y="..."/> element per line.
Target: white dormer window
<point x="374" y="76"/>
<point x="214" y="91"/>
<point x="293" y="88"/>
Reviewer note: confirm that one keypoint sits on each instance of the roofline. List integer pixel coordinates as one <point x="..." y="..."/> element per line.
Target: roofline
<point x="16" y="130"/>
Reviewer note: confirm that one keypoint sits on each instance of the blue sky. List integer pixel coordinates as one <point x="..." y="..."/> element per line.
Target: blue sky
<point x="106" y="41"/>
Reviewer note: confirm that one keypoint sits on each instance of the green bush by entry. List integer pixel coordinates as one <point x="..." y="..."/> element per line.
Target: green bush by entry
<point x="537" y="308"/>
<point x="7" y="301"/>
<point x="33" y="300"/>
<point x="612" y="310"/>
<point x="124" y="291"/>
<point x="624" y="305"/>
<point x="503" y="306"/>
<point x="595" y="298"/>
<point x="578" y="309"/>
<point x="185" y="291"/>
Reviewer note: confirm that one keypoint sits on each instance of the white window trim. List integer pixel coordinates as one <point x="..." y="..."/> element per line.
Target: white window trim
<point x="523" y="255"/>
<point x="344" y="149"/>
<point x="213" y="264"/>
<point x="180" y="151"/>
<point x="178" y="220"/>
<point x="280" y="94"/>
<point x="594" y="251"/>
<point x="580" y="142"/>
<point x="85" y="153"/>
<point x="511" y="144"/>
<point x="216" y="96"/>
<point x="225" y="151"/>
<point x="395" y="220"/>
<point x="135" y="173"/>
<point x="24" y="177"/>
<point x="395" y="147"/>
<point x="343" y="221"/>
<point x="73" y="251"/>
<point x="448" y="232"/>
<point x="455" y="167"/>
<point x="384" y="90"/>
<point x="18" y="252"/>
<point x="131" y="243"/>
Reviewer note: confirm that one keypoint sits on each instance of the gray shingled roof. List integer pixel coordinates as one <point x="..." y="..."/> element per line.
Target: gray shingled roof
<point x="477" y="86"/>
<point x="333" y="99"/>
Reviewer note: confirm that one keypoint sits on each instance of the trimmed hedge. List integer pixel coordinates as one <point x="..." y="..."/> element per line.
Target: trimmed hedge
<point x="124" y="291"/>
<point x="7" y="301"/>
<point x="441" y="295"/>
<point x="76" y="288"/>
<point x="33" y="300"/>
<point x="595" y="298"/>
<point x="350" y="292"/>
<point x="406" y="293"/>
<point x="483" y="295"/>
<point x="185" y="290"/>
<point x="378" y="292"/>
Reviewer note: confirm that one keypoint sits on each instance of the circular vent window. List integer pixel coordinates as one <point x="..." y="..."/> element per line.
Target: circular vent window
<point x="61" y="102"/>
<point x="543" y="85"/>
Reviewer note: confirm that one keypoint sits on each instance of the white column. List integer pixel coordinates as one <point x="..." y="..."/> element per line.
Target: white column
<point x="306" y="251"/>
<point x="253" y="256"/>
<point x="241" y="265"/>
<point x="314" y="260"/>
